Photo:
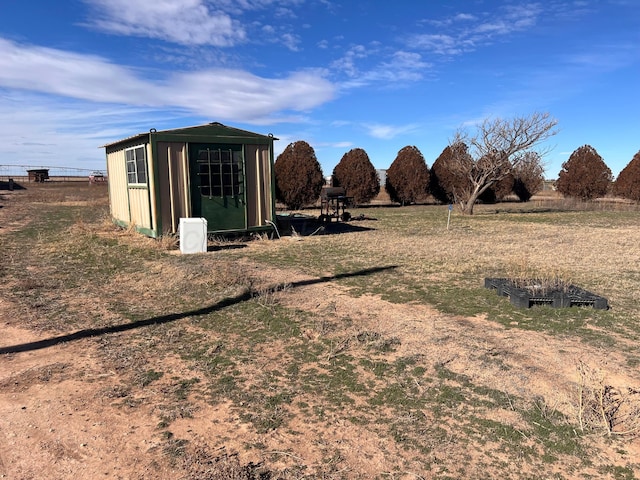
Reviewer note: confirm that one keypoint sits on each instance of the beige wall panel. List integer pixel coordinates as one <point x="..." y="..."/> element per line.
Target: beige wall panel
<point x="118" y="196"/>
<point x="139" y="207"/>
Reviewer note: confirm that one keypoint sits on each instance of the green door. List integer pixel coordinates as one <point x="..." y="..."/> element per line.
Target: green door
<point x="218" y="185"/>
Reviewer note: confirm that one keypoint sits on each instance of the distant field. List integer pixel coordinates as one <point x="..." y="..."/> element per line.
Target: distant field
<point x="375" y="353"/>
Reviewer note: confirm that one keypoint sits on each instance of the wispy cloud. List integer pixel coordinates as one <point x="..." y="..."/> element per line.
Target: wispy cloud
<point x="515" y="18"/>
<point x="46" y="131"/>
<point x="226" y="94"/>
<point x="465" y="32"/>
<point x="440" y="44"/>
<point x="388" y="70"/>
<point x="193" y="23"/>
<point x="387" y="132"/>
<point x="187" y="22"/>
<point x="292" y="42"/>
<point x="347" y="64"/>
<point x="85" y="77"/>
<point x="242" y="96"/>
<point x="341" y="144"/>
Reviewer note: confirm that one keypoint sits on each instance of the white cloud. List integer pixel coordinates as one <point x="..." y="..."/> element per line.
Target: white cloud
<point x="187" y="22"/>
<point x="342" y="144"/>
<point x="399" y="67"/>
<point x="464" y="17"/>
<point x="440" y="44"/>
<point x="291" y="41"/>
<point x="243" y="96"/>
<point x="60" y="106"/>
<point x="85" y="77"/>
<point x="346" y="65"/>
<point x="455" y="39"/>
<point x="224" y="94"/>
<point x="387" y="132"/>
<point x="44" y="131"/>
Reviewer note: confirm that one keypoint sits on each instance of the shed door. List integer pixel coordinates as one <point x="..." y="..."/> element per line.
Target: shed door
<point x="218" y="185"/>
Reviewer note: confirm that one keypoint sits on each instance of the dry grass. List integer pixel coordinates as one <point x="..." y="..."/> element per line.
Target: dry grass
<point x="604" y="408"/>
<point x="304" y="361"/>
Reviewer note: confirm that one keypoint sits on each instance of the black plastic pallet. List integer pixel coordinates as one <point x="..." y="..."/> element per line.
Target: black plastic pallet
<point x="569" y="296"/>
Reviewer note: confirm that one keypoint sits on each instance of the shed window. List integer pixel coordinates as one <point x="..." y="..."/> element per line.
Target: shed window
<point x="136" y="165"/>
<point x="221" y="173"/>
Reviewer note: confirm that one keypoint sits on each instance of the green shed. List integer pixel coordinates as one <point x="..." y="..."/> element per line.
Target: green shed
<point x="212" y="171"/>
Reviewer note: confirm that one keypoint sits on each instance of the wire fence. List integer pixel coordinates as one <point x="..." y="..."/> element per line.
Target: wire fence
<point x="20" y="173"/>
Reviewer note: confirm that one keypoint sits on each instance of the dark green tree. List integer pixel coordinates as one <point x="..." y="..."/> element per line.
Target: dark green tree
<point x="357" y="175"/>
<point x="584" y="175"/>
<point x="627" y="185"/>
<point x="298" y="175"/>
<point x="408" y="177"/>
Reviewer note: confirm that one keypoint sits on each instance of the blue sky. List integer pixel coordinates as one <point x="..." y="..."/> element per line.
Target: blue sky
<point x="377" y="75"/>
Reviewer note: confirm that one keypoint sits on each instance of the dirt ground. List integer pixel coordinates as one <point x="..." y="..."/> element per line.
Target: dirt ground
<point x="58" y="419"/>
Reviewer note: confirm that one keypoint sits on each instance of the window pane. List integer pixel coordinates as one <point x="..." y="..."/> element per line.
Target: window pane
<point x="142" y="171"/>
<point x="220" y="172"/>
<point x="136" y="165"/>
<point x="205" y="187"/>
<point x="204" y="172"/>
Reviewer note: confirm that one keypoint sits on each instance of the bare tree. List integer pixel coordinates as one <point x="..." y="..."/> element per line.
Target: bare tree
<point x="494" y="151"/>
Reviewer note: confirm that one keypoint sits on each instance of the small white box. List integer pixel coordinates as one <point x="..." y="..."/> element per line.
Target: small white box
<point x="193" y="235"/>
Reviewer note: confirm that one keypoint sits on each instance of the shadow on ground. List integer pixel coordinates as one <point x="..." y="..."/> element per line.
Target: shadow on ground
<point x="172" y="317"/>
<point x="10" y="185"/>
<point x="306" y="225"/>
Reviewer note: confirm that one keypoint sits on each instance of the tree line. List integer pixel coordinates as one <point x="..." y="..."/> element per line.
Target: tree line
<point x="501" y="157"/>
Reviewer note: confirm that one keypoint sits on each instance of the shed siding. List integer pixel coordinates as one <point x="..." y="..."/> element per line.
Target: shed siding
<point x="266" y="176"/>
<point x="156" y="208"/>
<point x="258" y="177"/>
<point x="149" y="208"/>
<point x="173" y="185"/>
<point x="129" y="205"/>
<point x="139" y="205"/>
<point x="118" y="198"/>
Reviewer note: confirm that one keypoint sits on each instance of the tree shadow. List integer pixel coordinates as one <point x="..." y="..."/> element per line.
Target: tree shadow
<point x="172" y="317"/>
<point x="217" y="248"/>
<point x="306" y="225"/>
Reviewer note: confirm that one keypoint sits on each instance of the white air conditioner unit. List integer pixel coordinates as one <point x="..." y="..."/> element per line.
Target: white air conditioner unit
<point x="193" y="235"/>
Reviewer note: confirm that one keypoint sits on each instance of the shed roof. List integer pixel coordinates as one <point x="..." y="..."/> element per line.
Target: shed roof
<point x="213" y="129"/>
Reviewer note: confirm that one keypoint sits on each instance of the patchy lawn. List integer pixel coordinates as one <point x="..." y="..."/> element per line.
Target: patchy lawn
<point x="371" y="354"/>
